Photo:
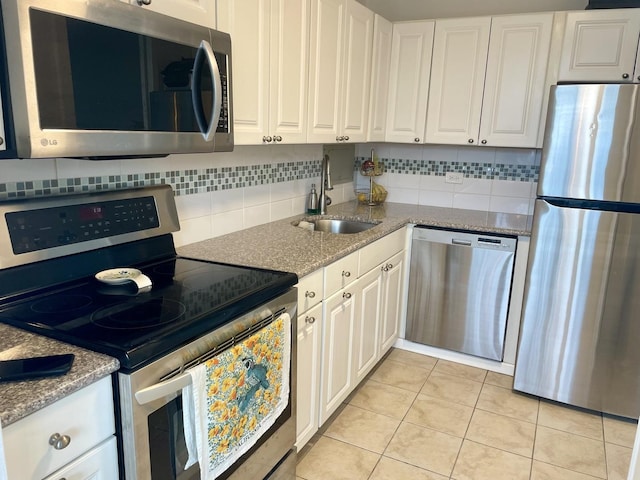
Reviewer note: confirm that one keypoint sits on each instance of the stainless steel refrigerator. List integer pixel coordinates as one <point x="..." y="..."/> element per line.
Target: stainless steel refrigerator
<point x="580" y="332"/>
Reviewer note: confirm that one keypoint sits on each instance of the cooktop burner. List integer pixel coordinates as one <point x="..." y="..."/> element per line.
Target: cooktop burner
<point x="188" y="298"/>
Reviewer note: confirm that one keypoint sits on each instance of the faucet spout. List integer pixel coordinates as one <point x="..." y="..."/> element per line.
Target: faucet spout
<point x="325" y="184"/>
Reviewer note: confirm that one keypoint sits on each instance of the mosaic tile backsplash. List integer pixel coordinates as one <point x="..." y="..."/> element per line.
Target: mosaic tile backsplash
<point x="183" y="182"/>
<point x="193" y="181"/>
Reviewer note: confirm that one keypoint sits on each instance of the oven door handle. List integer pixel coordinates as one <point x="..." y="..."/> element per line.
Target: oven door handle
<point x="162" y="389"/>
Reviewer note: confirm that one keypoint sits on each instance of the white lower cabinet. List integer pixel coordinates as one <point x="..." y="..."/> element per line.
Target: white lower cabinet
<point x="341" y="338"/>
<point x="83" y="425"/>
<point x="338" y="331"/>
<point x="308" y="377"/>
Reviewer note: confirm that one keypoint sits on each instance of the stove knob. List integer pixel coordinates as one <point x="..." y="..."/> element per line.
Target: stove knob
<point x="59" y="441"/>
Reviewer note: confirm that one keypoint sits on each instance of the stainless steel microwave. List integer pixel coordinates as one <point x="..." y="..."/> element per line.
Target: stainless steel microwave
<point x="106" y="79"/>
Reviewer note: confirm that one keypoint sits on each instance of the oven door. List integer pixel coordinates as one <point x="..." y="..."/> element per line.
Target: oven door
<point x="152" y="430"/>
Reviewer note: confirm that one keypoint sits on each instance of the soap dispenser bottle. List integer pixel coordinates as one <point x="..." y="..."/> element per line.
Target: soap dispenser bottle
<point x="312" y="202"/>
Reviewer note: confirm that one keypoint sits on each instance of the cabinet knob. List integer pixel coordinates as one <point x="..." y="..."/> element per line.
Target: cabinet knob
<point x="310" y="319"/>
<point x="267" y="139"/>
<point x="417" y="140"/>
<point x="346" y="295"/>
<point x="310" y="294"/>
<point x="144" y="2"/>
<point x="625" y="75"/>
<point x="339" y="139"/>
<point x="484" y="142"/>
<point x="470" y="140"/>
<point x="346" y="274"/>
<point x="387" y="267"/>
<point x="1" y="140"/>
<point x="278" y="138"/>
<point x="346" y="138"/>
<point x="58" y="441"/>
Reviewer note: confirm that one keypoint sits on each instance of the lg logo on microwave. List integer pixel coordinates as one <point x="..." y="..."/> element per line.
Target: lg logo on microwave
<point x="45" y="142"/>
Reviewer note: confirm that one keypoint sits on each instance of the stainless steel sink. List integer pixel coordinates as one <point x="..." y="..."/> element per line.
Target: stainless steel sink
<point x="334" y="225"/>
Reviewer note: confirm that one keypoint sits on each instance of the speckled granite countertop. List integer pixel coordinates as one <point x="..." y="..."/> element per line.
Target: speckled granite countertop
<point x="282" y="246"/>
<point x="19" y="399"/>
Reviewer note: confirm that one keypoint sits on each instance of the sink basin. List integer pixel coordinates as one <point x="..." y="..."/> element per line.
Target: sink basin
<point x="333" y="225"/>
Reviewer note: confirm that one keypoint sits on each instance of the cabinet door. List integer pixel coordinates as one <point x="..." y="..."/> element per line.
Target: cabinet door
<point x="325" y="59"/>
<point x="600" y="45"/>
<point x="308" y="376"/>
<point x="337" y="351"/>
<point x="356" y="73"/>
<point x="392" y="288"/>
<point x="515" y="80"/>
<point x="457" y="80"/>
<point x="367" y="323"/>
<point x="380" y="68"/>
<point x="201" y="12"/>
<point x="409" y="82"/>
<point x="289" y="70"/>
<point x="247" y="21"/>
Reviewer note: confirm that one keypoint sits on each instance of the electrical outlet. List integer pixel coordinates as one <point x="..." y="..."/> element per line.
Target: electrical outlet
<point x="453" y="177"/>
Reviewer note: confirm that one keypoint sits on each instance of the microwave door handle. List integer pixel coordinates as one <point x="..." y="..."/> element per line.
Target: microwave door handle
<point x="162" y="389"/>
<point x="196" y="90"/>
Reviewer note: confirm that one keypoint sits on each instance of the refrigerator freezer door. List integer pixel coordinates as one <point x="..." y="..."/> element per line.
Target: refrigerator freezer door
<point x="592" y="143"/>
<point x="580" y="328"/>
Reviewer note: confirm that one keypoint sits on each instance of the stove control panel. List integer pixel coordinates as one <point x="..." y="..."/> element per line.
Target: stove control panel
<point x="41" y="229"/>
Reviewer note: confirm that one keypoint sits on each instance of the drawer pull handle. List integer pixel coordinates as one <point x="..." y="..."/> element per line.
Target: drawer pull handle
<point x="346" y="274"/>
<point x="310" y="319"/>
<point x="346" y="295"/>
<point x="59" y="442"/>
<point x="310" y="294"/>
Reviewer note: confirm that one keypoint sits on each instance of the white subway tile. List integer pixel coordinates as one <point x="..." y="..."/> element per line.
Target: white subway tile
<point x="440" y="153"/>
<point x="256" y="215"/>
<point x="27" y="169"/>
<point x="402" y="180"/>
<point x="193" y="230"/>
<point x="281" y="209"/>
<point x="477" y="154"/>
<point x="510" y="204"/>
<point x="471" y="202"/>
<point x="257" y="195"/>
<point x="478" y="186"/>
<point x="437" y="183"/>
<point x="516" y="156"/>
<point x="510" y="188"/>
<point x="403" y="195"/>
<point x="227" y="200"/>
<point x="435" y="198"/>
<point x="193" y="206"/>
<point x="226" y="222"/>
<point x="72" y="168"/>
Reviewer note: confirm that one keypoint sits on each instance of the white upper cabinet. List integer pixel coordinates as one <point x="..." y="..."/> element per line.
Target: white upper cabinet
<point x="340" y="71"/>
<point x="270" y="40"/>
<point x="201" y="12"/>
<point x="409" y="81"/>
<point x="457" y="80"/>
<point x="380" y="69"/>
<point x="600" y="46"/>
<point x="489" y="80"/>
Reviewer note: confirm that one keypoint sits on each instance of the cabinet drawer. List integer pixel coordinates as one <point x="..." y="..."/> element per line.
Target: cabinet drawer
<point x="340" y="274"/>
<point x="377" y="252"/>
<point x="99" y="463"/>
<point x="86" y="416"/>
<point x="310" y="290"/>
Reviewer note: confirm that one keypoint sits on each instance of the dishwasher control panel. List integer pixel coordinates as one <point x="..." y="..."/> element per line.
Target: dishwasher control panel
<point x="466" y="238"/>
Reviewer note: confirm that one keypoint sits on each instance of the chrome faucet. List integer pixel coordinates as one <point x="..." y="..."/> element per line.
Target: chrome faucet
<point x="325" y="184"/>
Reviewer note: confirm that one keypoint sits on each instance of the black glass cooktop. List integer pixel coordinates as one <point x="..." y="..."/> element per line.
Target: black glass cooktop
<point x="188" y="298"/>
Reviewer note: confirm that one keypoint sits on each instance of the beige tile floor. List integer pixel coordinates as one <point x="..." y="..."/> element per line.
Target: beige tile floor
<point x="420" y="418"/>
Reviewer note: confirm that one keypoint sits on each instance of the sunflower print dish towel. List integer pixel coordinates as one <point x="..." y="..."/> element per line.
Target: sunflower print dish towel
<point x="235" y="397"/>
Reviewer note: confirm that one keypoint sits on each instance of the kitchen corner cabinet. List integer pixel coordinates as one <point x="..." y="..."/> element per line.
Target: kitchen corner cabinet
<point x="201" y="12"/>
<point x="491" y="94"/>
<point x="409" y="81"/>
<point x="380" y="69"/>
<point x="601" y="46"/>
<point x="310" y="295"/>
<point x="270" y="40"/>
<point x="340" y="71"/>
<point x="90" y="451"/>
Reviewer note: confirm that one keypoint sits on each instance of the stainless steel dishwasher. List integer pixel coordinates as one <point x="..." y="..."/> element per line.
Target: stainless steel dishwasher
<point x="459" y="288"/>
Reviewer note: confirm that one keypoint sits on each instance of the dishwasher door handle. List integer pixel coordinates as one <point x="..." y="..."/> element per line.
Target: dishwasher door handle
<point x="456" y="241"/>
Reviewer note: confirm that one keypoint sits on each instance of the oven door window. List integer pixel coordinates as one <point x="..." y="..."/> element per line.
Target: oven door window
<point x="167" y="448"/>
<point x="95" y="77"/>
